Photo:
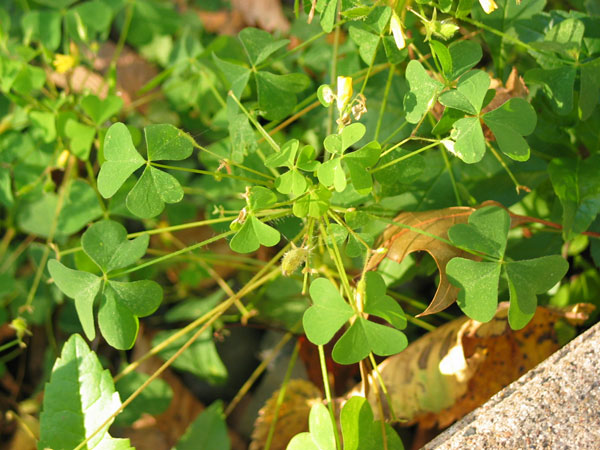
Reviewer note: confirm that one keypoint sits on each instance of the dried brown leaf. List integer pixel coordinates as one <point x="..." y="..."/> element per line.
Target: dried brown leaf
<point x="400" y="241"/>
<point x="454" y="369"/>
<point x="292" y="419"/>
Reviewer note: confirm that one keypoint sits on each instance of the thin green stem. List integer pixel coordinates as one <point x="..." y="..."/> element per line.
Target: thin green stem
<point x="518" y="186"/>
<point x="216" y="175"/>
<point x="257" y="125"/>
<point x="402" y="158"/>
<point x="281" y="395"/>
<point x="386" y="93"/>
<point x="328" y="396"/>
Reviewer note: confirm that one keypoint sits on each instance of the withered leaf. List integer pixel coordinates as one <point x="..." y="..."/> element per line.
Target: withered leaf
<point x="399" y="241"/>
<point x="292" y="416"/>
<point x="456" y="368"/>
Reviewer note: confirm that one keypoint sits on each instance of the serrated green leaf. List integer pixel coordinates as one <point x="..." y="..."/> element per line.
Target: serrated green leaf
<point x="81" y="287"/>
<point x="79" y="397"/>
<point x="207" y="432"/>
<point x="327" y="314"/>
<point x="469" y="93"/>
<point x="149" y="195"/>
<point x="514" y="119"/>
<point x="166" y="142"/>
<point x="107" y="245"/>
<point x="576" y="182"/>
<point x="259" y="44"/>
<point x="122" y="159"/>
<point x="528" y="278"/>
<point x="423" y="91"/>
<point x="101" y="110"/>
<point x="470" y="142"/>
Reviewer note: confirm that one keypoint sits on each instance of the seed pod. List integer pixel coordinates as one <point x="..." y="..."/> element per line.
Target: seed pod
<point x="293" y="259"/>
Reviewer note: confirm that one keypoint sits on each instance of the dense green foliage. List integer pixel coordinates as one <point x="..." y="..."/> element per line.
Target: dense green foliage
<point x="297" y="154"/>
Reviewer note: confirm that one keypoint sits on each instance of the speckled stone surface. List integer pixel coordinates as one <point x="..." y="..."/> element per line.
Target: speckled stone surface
<point x="554" y="406"/>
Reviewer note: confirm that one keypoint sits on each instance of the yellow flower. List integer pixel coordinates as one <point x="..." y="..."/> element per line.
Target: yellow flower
<point x="396" y="29"/>
<point x="488" y="6"/>
<point x="344" y="92"/>
<point x="63" y="63"/>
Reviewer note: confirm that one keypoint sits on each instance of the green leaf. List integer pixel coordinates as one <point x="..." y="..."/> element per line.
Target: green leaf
<point x="331" y="173"/>
<point x="80" y="286"/>
<point x="557" y="84"/>
<point x="207" y="432"/>
<point x="45" y="123"/>
<point x="589" y="91"/>
<point x="442" y="54"/>
<point x="252" y="235"/>
<point x="236" y="74"/>
<point x="261" y="198"/>
<point x="285" y="157"/>
<point x="101" y="110"/>
<point x="107" y="245"/>
<point x="470" y="142"/>
<point x="291" y="182"/>
<point x="328" y="16"/>
<point x="364" y="337"/>
<point x="514" y="119"/>
<point x="381" y="305"/>
<point x="81" y="137"/>
<point x="6" y="195"/>
<point x="43" y="26"/>
<point x="122" y="159"/>
<point x="423" y="91"/>
<point x="478" y="283"/>
<point x="164" y="141"/>
<point x="576" y="182"/>
<point x="259" y="44"/>
<point x="149" y="195"/>
<point x="327" y="314"/>
<point x="320" y="435"/>
<point x="122" y="303"/>
<point x="201" y="358"/>
<point x="153" y="400"/>
<point x="276" y="93"/>
<point x="306" y="159"/>
<point x="357" y="424"/>
<point x="469" y="93"/>
<point x="528" y="278"/>
<point x="315" y="204"/>
<point x="465" y="55"/>
<point x="78" y="399"/>
<point x="486" y="232"/>
<point x="367" y="42"/>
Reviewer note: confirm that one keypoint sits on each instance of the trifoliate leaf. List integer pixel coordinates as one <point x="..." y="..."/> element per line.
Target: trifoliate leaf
<point x="252" y="235"/>
<point x="101" y="110"/>
<point x="259" y="44"/>
<point x="149" y="195"/>
<point x="469" y="93"/>
<point x="122" y="159"/>
<point x="327" y="314"/>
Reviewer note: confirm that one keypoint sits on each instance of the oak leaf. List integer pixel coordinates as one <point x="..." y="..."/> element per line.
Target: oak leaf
<point x="425" y="231"/>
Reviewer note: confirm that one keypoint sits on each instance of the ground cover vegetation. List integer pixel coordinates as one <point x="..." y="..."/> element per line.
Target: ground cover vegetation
<point x="354" y="217"/>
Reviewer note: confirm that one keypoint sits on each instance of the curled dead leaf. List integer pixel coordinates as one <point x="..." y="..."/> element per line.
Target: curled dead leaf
<point x="456" y="368"/>
<point x="405" y="238"/>
<point x="300" y="396"/>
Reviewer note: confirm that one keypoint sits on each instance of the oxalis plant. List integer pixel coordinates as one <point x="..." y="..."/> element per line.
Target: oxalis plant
<point x="297" y="170"/>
